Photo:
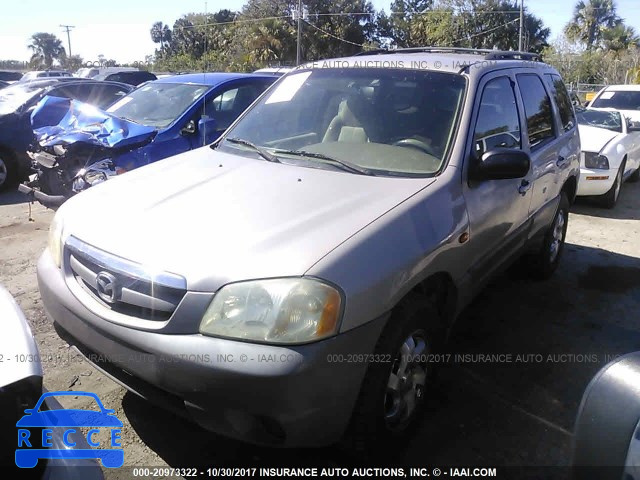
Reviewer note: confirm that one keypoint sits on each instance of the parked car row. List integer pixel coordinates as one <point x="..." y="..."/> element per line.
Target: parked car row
<point x="77" y="147"/>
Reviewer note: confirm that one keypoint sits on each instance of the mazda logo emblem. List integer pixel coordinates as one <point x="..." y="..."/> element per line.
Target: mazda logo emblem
<point x="106" y="285"/>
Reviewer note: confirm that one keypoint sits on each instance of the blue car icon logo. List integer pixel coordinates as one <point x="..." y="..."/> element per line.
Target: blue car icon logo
<point x="36" y="428"/>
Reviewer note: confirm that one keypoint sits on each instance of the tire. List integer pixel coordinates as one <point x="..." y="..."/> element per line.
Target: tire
<point x="609" y="199"/>
<point x="635" y="176"/>
<point x="382" y="414"/>
<point x="543" y="263"/>
<point x="8" y="171"/>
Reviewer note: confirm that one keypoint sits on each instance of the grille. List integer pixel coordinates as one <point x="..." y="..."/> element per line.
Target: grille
<point x="122" y="286"/>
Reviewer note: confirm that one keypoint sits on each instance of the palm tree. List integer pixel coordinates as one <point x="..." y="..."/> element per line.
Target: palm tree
<point x="46" y="48"/>
<point x="590" y="19"/>
<point x="160" y="33"/>
<point x="619" y="38"/>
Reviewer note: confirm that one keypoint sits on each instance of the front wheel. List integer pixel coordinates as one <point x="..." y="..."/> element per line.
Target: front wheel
<point x="610" y="198"/>
<point x="393" y="392"/>
<point x="635" y="176"/>
<point x="543" y="263"/>
<point x="8" y="171"/>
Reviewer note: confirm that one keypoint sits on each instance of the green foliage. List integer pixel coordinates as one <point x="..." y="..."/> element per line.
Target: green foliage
<point x="590" y="19"/>
<point x="72" y="63"/>
<point x="46" y="48"/>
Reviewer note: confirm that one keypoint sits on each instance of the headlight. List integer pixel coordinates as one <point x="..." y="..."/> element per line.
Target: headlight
<point x="93" y="177"/>
<point x="55" y="239"/>
<point x="288" y="310"/>
<point x="593" y="160"/>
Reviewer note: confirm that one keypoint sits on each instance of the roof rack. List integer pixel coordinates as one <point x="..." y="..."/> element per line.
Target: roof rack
<point x="486" y="53"/>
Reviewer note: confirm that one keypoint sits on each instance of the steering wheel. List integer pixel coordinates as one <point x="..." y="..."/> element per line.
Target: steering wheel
<point x="417" y="144"/>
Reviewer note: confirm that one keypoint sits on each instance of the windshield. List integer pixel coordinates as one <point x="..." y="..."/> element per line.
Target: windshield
<point x="602" y="119"/>
<point x="157" y="104"/>
<point x="620" y="100"/>
<point x="15" y="96"/>
<point x="388" y="121"/>
<point x="87" y="72"/>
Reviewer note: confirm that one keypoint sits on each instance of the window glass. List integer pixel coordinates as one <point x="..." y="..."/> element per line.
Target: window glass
<point x="390" y="121"/>
<point x="537" y="108"/>
<point x="497" y="125"/>
<point x="228" y="105"/>
<point x="561" y="96"/>
<point x="618" y="99"/>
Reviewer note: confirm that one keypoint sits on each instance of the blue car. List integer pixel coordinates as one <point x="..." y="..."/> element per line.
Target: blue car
<point x="78" y="147"/>
<point x="35" y="433"/>
<point x="18" y="101"/>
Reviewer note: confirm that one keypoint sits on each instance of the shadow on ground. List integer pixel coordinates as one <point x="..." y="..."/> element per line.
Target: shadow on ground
<point x="518" y="362"/>
<point x="625" y="209"/>
<point x="12" y="197"/>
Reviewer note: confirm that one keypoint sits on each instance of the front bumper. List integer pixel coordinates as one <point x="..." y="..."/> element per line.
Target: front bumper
<point x="49" y="201"/>
<point x="273" y="395"/>
<point x="595" y="181"/>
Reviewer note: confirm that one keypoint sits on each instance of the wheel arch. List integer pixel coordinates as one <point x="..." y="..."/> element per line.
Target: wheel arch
<point x="570" y="187"/>
<point x="440" y="288"/>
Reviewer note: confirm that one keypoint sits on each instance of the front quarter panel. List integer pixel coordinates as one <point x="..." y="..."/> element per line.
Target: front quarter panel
<point x="381" y="263"/>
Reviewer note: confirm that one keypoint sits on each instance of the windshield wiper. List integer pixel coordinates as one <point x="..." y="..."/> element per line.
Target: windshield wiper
<point x="348" y="166"/>
<point x="261" y="151"/>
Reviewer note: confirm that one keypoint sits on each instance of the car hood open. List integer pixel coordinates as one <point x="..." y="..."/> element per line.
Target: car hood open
<point x="62" y="121"/>
<point x="214" y="218"/>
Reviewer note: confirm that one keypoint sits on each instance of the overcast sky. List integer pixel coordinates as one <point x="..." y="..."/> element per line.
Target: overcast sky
<point x="119" y="29"/>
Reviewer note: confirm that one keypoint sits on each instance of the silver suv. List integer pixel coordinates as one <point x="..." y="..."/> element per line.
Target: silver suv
<point x="286" y="284"/>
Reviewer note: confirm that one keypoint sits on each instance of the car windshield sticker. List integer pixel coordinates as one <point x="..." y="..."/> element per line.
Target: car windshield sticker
<point x="288" y="87"/>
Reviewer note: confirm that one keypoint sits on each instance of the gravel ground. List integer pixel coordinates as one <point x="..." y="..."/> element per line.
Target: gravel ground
<point x="515" y="412"/>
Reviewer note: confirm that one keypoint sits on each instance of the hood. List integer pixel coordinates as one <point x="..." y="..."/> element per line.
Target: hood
<point x="16" y="339"/>
<point x="62" y="121"/>
<point x="214" y="218"/>
<point x="594" y="139"/>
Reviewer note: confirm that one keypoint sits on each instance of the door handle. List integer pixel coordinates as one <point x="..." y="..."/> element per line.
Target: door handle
<point x="560" y="162"/>
<point x="524" y="187"/>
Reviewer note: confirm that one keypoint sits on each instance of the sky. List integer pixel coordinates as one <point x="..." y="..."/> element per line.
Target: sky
<point x="121" y="31"/>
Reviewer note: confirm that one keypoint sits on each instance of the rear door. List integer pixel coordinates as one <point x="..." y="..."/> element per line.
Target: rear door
<point x="498" y="209"/>
<point x="544" y="142"/>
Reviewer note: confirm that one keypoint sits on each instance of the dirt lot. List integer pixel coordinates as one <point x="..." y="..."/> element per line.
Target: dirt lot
<point x="517" y="412"/>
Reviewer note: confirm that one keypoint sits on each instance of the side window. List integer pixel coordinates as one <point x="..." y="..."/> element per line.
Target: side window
<point x="498" y="125"/>
<point x="537" y="108"/>
<point x="107" y="95"/>
<point x="561" y="96"/>
<point x="228" y="105"/>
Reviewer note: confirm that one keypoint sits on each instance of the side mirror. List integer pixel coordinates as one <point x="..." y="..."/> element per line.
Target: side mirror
<point x="189" y="129"/>
<point x="633" y="127"/>
<point x="501" y="164"/>
<point x="207" y="129"/>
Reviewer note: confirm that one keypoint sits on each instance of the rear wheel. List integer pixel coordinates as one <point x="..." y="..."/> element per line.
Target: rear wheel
<point x="610" y="198"/>
<point x="393" y="391"/>
<point x="543" y="263"/>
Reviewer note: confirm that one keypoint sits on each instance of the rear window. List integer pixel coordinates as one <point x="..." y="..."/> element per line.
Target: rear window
<point x="618" y="99"/>
<point x="563" y="101"/>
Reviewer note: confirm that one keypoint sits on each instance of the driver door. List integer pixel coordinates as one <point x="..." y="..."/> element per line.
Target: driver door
<point x="498" y="209"/>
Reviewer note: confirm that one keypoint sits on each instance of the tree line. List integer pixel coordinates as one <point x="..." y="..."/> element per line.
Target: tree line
<point x="596" y="45"/>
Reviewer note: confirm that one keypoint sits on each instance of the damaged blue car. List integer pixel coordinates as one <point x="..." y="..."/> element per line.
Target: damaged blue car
<point x="79" y="145"/>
